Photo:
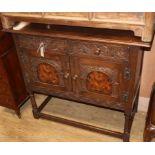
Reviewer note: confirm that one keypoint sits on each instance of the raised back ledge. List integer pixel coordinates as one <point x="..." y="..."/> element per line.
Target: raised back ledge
<point x="83" y="33"/>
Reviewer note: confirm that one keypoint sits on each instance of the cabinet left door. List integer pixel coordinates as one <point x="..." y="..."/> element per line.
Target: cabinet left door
<point x="46" y="66"/>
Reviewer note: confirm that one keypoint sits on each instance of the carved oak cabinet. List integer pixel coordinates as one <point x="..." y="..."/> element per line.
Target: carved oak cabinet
<point x="94" y="66"/>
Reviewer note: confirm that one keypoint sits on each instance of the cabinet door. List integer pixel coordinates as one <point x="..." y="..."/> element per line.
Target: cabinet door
<point x="47" y="62"/>
<point x="100" y="81"/>
<point x="50" y="72"/>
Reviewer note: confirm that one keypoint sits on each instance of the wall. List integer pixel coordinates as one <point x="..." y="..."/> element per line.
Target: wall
<point x="148" y="77"/>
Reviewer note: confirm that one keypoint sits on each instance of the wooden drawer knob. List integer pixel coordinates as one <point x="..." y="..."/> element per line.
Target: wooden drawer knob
<point x="66" y="75"/>
<point x="75" y="77"/>
<point x="97" y="52"/>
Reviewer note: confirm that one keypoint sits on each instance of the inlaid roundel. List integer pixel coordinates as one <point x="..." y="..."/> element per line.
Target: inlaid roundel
<point x="48" y="74"/>
<point x="99" y="82"/>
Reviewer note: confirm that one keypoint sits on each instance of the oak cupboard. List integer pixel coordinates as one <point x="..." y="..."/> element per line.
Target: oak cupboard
<point x="82" y="64"/>
<point x="77" y="58"/>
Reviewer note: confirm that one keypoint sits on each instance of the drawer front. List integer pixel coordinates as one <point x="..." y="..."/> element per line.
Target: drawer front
<point x="34" y="43"/>
<point x="6" y="98"/>
<point x="99" y="50"/>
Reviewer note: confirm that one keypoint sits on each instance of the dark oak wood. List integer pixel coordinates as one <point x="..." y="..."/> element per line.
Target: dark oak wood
<point x="97" y="67"/>
<point x="149" y="131"/>
<point x="81" y="125"/>
<point x="12" y="88"/>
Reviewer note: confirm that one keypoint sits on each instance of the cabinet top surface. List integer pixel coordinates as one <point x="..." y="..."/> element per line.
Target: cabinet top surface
<point x="83" y="33"/>
<point x="141" y="23"/>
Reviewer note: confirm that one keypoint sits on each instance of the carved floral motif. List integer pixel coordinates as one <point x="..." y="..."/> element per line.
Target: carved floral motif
<point x="48" y="74"/>
<point x="99" y="82"/>
<point x="100" y="50"/>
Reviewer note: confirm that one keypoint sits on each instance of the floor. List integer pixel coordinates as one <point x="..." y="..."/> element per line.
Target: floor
<point x="28" y="129"/>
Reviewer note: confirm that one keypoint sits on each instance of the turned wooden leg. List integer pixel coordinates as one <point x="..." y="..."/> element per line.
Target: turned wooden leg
<point x="149" y="133"/>
<point x="127" y="128"/>
<point x="18" y="113"/>
<point x="34" y="106"/>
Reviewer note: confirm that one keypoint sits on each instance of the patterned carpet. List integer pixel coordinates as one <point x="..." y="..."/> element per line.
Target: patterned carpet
<point x="28" y="129"/>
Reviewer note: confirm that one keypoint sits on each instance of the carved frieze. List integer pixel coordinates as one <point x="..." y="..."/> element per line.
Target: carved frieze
<point x="50" y="44"/>
<point x="101" y="50"/>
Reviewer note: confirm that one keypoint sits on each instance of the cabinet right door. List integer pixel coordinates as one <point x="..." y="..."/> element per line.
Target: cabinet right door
<point x="101" y="78"/>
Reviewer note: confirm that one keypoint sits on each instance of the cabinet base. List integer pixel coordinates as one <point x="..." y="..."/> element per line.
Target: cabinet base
<point x="37" y="113"/>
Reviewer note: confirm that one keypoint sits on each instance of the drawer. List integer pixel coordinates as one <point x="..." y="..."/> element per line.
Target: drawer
<point x="34" y="43"/>
<point x="100" y="50"/>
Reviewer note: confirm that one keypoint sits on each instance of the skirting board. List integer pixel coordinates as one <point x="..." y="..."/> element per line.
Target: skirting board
<point x="143" y="104"/>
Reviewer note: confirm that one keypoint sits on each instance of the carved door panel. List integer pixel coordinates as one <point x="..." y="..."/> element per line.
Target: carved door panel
<point x="45" y="63"/>
<point x="50" y="71"/>
<point x="99" y="81"/>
